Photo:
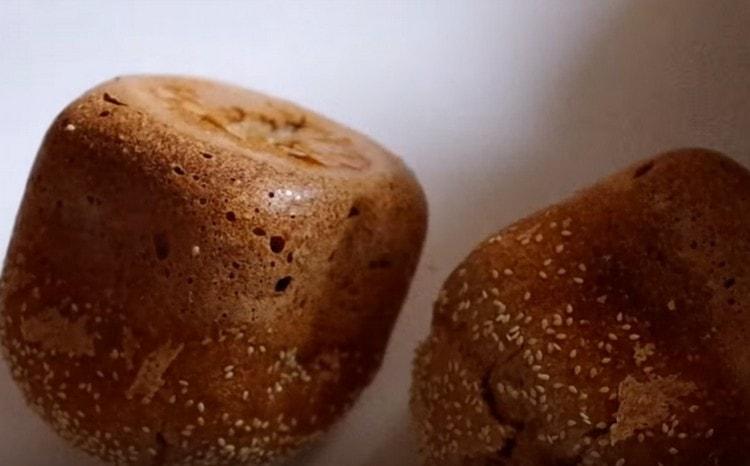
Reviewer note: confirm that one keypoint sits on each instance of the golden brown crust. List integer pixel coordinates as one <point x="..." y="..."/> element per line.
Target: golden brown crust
<point x="608" y="329"/>
<point x="180" y="292"/>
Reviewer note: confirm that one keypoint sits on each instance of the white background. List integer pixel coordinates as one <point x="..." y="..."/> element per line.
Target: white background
<point x="499" y="107"/>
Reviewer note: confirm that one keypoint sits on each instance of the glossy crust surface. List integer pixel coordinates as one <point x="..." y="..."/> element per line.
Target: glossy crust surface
<point x="203" y="275"/>
<point x="609" y="329"/>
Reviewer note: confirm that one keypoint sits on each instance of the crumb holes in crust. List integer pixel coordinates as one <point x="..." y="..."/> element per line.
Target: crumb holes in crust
<point x="643" y="169"/>
<point x="353" y="212"/>
<point x="277" y="243"/>
<point x="203" y="201"/>
<point x="107" y="97"/>
<point x="289" y="257"/>
<point x="178" y="170"/>
<point x="105" y="113"/>
<point x="258" y="231"/>
<point x="271" y="194"/>
<point x="231" y="216"/>
<point x="206" y="155"/>
<point x="729" y="282"/>
<point x="282" y="284"/>
<point x="161" y="246"/>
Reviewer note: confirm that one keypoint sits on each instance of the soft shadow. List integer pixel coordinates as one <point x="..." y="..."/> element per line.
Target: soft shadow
<point x="398" y="449"/>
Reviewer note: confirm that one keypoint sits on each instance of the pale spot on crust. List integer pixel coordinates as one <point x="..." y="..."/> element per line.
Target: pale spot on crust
<point x="644" y="405"/>
<point x="642" y="352"/>
<point x="149" y="379"/>
<point x="56" y="333"/>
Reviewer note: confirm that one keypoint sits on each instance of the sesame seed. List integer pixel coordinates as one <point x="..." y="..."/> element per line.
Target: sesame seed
<point x="671" y="305"/>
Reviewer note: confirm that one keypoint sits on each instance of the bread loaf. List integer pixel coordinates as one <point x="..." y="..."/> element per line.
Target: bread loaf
<point x="203" y="275"/>
<point x="609" y="329"/>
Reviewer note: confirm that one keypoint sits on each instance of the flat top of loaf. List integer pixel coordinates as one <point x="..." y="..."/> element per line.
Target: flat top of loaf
<point x="253" y="124"/>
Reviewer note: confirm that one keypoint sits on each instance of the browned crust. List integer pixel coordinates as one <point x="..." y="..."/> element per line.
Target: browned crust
<point x="608" y="329"/>
<point x="224" y="301"/>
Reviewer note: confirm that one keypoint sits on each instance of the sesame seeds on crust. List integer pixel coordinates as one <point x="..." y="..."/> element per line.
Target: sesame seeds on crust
<point x="594" y="365"/>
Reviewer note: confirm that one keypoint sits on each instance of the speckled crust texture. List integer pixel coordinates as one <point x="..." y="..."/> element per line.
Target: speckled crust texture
<point x="609" y="329"/>
<point x="201" y="275"/>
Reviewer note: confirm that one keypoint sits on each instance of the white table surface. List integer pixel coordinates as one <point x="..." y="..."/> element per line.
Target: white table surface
<point x="500" y="107"/>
